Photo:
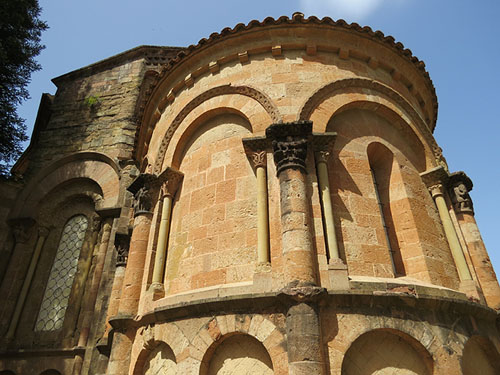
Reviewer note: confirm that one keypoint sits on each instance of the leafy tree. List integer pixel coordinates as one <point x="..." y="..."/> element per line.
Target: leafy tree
<point x="20" y="31"/>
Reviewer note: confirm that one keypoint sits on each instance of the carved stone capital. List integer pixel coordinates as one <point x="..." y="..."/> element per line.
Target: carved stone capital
<point x="169" y="181"/>
<point x="290" y="141"/>
<point x="322" y="145"/>
<point x="142" y="188"/>
<point x="436" y="189"/>
<point x="256" y="150"/>
<point x="22" y="228"/>
<point x="43" y="231"/>
<point x="459" y="186"/>
<point x="122" y="244"/>
<point x="96" y="223"/>
<point x="148" y="337"/>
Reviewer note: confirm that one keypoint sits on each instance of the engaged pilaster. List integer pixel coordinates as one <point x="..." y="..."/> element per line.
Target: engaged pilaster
<point x="290" y="142"/>
<point x="290" y="147"/>
<point x="142" y="188"/>
<point x="169" y="181"/>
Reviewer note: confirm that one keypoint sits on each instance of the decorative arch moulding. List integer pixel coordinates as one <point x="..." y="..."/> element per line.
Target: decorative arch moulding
<point x="163" y="93"/>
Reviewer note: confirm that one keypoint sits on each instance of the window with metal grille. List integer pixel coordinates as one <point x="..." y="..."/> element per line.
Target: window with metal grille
<point x="63" y="271"/>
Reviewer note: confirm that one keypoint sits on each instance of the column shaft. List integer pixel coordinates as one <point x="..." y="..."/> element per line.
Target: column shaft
<point x="132" y="281"/>
<point x="297" y="239"/>
<point x="26" y="285"/>
<point x="161" y="247"/>
<point x="326" y="200"/>
<point x="480" y="259"/>
<point x="262" y="216"/>
<point x="451" y="236"/>
<point x="304" y="340"/>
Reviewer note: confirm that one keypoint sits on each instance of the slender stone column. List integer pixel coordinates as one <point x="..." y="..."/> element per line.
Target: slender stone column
<point x="42" y="236"/>
<point x="256" y="149"/>
<point x="435" y="180"/>
<point x="290" y="143"/>
<point x="437" y="192"/>
<point x="337" y="269"/>
<point x="169" y="181"/>
<point x="90" y="300"/>
<point x="142" y="188"/>
<point x="459" y="187"/>
<point x="322" y="144"/>
<point x="122" y="244"/>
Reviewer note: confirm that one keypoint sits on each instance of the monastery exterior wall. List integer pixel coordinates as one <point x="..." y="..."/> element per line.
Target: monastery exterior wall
<point x="271" y="200"/>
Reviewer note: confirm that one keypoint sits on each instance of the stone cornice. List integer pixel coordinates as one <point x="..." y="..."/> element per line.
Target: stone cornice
<point x="160" y="54"/>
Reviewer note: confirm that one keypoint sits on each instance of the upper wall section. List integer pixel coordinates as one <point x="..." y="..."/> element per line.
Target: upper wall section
<point x="294" y="66"/>
<point x="94" y="108"/>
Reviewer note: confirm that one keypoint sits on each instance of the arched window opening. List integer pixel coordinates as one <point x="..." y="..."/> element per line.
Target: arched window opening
<point x="382" y="162"/>
<point x="62" y="274"/>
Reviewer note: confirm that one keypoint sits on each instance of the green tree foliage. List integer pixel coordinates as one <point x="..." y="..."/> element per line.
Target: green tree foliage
<point x="20" y="31"/>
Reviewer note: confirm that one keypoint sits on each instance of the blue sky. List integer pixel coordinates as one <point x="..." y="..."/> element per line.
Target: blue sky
<point x="457" y="39"/>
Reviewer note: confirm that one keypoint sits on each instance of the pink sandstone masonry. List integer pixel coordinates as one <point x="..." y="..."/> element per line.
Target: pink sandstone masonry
<point x="268" y="201"/>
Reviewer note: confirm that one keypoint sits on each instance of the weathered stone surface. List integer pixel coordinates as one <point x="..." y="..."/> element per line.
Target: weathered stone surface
<point x="198" y="130"/>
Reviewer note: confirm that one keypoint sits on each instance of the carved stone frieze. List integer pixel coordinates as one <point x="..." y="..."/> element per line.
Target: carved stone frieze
<point x="122" y="244"/>
<point x="256" y="150"/>
<point x="142" y="188"/>
<point x="169" y="181"/>
<point x="290" y="141"/>
<point x="22" y="228"/>
<point x="459" y="186"/>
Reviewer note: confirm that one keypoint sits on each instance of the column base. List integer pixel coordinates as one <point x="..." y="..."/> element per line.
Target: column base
<point x="157" y="291"/>
<point x="338" y="275"/>
<point x="262" y="277"/>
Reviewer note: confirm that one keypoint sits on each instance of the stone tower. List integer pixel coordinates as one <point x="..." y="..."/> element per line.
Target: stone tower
<point x="268" y="201"/>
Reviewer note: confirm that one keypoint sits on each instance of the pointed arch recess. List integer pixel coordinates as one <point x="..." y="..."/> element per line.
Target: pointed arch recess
<point x="394" y="103"/>
<point x="265" y="102"/>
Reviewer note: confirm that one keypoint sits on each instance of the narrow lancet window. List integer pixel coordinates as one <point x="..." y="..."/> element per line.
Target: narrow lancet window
<point x="62" y="274"/>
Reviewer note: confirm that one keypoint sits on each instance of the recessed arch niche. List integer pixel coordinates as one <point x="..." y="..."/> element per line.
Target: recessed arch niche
<point x="480" y="357"/>
<point x="238" y="354"/>
<point x="214" y="215"/>
<point x="387" y="352"/>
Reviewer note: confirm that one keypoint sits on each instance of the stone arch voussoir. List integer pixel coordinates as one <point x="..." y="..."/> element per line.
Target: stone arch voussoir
<point x="256" y="326"/>
<point x="262" y="99"/>
<point x="336" y="96"/>
<point x="96" y="167"/>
